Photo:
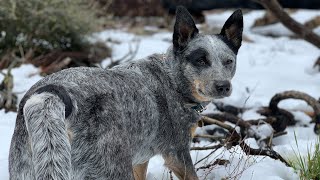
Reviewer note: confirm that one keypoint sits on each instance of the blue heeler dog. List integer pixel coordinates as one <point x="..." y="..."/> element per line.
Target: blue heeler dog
<point x="92" y="123"/>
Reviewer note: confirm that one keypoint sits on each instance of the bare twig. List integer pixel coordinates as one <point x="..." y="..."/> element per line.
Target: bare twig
<point x="205" y="148"/>
<point x="127" y="57"/>
<point x="217" y="138"/>
<point x="216" y="162"/>
<point x="213" y="151"/>
<point x="235" y="139"/>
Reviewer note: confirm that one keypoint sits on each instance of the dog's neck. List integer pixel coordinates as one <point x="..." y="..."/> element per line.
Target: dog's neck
<point x="167" y="58"/>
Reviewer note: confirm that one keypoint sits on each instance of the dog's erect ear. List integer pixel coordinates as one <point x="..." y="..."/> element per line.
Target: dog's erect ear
<point x="232" y="29"/>
<point x="184" y="28"/>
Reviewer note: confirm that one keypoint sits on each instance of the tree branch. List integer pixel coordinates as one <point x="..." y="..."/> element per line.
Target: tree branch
<point x="290" y="23"/>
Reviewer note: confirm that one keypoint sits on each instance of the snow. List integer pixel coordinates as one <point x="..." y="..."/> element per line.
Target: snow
<point x="265" y="67"/>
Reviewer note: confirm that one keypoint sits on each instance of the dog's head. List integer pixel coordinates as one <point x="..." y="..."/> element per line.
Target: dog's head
<point x="205" y="63"/>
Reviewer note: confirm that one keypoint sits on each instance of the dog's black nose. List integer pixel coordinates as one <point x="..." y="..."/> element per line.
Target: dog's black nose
<point x="223" y="86"/>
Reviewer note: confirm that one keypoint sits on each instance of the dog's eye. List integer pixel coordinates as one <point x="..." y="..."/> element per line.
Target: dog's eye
<point x="229" y="61"/>
<point x="202" y="61"/>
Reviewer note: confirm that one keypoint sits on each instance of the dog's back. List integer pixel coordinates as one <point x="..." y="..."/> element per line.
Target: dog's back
<point x="111" y="105"/>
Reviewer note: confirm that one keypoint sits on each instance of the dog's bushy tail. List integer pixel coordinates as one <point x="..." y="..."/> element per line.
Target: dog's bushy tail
<point x="44" y="115"/>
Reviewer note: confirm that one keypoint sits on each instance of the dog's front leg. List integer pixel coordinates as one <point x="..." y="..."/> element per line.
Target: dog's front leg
<point x="181" y="164"/>
<point x="140" y="171"/>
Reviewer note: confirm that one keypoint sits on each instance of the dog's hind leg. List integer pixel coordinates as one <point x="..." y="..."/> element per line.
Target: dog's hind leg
<point x="44" y="116"/>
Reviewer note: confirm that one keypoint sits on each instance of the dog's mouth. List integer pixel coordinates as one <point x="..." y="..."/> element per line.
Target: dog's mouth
<point x="198" y="94"/>
<point x="211" y="97"/>
<point x="214" y="95"/>
<point x="201" y="95"/>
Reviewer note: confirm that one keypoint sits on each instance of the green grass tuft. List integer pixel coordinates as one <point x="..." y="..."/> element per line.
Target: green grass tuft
<point x="307" y="166"/>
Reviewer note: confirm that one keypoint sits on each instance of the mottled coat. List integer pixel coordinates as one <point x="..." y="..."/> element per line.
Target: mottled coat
<point x="92" y="123"/>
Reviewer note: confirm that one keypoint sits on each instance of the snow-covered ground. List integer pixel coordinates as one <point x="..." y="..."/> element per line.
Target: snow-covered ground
<point x="265" y="67"/>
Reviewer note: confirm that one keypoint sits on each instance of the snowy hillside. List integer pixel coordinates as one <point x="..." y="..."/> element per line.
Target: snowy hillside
<point x="265" y="67"/>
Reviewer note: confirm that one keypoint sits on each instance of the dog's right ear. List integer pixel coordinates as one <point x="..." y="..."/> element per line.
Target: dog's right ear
<point x="184" y="29"/>
<point x="232" y="29"/>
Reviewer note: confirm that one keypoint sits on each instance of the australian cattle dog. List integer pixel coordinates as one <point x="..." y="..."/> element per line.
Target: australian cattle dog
<point x="91" y="123"/>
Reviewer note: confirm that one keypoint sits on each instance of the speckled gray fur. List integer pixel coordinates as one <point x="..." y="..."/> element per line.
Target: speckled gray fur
<point x="122" y="116"/>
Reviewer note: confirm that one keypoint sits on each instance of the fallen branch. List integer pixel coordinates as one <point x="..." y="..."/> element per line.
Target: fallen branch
<point x="216" y="122"/>
<point x="279" y="119"/>
<point x="262" y="152"/>
<point x="236" y="139"/>
<point x="230" y="118"/>
<point x="290" y="23"/>
<point x="273" y="105"/>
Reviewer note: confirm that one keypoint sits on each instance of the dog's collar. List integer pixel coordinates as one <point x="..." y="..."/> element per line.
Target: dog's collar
<point x="196" y="107"/>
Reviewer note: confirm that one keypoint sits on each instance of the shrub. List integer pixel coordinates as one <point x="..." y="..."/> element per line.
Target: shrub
<point x="32" y="28"/>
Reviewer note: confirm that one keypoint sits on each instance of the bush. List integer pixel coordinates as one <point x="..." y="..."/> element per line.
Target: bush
<point x="37" y="27"/>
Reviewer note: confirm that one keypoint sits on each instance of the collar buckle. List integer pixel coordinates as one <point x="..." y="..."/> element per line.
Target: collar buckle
<point x="198" y="108"/>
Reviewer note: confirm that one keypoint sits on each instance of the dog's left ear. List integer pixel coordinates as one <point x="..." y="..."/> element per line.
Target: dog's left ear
<point x="184" y="28"/>
<point x="232" y="29"/>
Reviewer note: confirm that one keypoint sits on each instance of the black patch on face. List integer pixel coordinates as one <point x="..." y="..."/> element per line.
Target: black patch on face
<point x="199" y="58"/>
<point x="61" y="93"/>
